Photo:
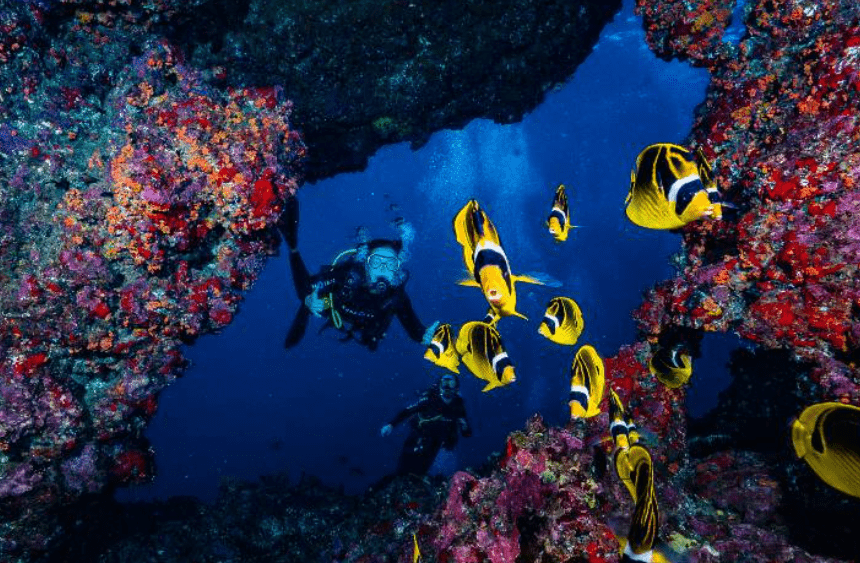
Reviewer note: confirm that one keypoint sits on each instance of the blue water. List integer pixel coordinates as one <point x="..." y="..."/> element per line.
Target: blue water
<point x="247" y="407"/>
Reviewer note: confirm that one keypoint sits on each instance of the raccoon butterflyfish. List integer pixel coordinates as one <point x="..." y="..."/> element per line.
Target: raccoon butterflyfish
<point x="562" y="323"/>
<point x="486" y="260"/>
<point x="481" y="349"/>
<point x="642" y="535"/>
<point x="670" y="187"/>
<point x="586" y="383"/>
<point x="558" y="221"/>
<point x="442" y="351"/>
<point x="632" y="429"/>
<point x="672" y="366"/>
<point x="827" y="437"/>
<point x="416" y="553"/>
<point x="617" y="423"/>
<point x="619" y="428"/>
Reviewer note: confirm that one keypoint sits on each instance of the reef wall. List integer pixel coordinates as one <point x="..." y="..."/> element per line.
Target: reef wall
<point x="146" y="148"/>
<point x="781" y="125"/>
<point x="365" y="74"/>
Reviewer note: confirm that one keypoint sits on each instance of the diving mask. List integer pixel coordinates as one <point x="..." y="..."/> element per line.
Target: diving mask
<point x="378" y="261"/>
<point x="448" y="387"/>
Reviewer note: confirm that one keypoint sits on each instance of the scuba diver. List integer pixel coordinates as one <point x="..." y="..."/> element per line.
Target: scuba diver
<point x="436" y="419"/>
<point x="358" y="295"/>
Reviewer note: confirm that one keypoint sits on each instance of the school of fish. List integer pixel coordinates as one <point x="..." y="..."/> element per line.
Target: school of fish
<point x="670" y="187"/>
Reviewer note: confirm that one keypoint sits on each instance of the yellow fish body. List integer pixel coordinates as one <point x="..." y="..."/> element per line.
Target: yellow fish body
<point x="620" y="432"/>
<point x="480" y="346"/>
<point x="442" y="351"/>
<point x="586" y="383"/>
<point x="558" y="221"/>
<point x="670" y="187"/>
<point x="562" y="323"/>
<point x="416" y="553"/>
<point x="827" y="437"/>
<point x="617" y="423"/>
<point x="486" y="260"/>
<point x="671" y="366"/>
<point x="636" y="471"/>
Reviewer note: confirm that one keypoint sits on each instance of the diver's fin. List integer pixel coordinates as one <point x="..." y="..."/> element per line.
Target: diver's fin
<point x="469" y="283"/>
<point x="527" y="279"/>
<point x="297" y="329"/>
<point x="288" y="222"/>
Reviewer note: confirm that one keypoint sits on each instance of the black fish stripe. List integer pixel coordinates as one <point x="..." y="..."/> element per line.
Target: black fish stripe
<point x="617" y="429"/>
<point x="558" y="215"/>
<point x="501" y="365"/>
<point x="478" y="221"/>
<point x="550" y="326"/>
<point x="491" y="257"/>
<point x="686" y="194"/>
<point x="437" y="349"/>
<point x="579" y="397"/>
<point x="561" y="312"/>
<point x="586" y="376"/>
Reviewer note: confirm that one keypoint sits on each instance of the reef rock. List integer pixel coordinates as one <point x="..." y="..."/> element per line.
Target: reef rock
<point x="363" y="74"/>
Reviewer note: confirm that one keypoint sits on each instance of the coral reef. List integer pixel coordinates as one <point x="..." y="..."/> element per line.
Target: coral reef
<point x="133" y="219"/>
<point x="549" y="497"/>
<point x="780" y="122"/>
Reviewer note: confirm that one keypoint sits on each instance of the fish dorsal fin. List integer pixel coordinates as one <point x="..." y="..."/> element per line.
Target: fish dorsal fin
<point x="632" y="187"/>
<point x="706" y="173"/>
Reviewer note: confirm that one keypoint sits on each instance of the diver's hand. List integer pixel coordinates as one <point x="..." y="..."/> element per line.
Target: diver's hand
<point x="314" y="304"/>
<point x="385" y="430"/>
<point x="428" y="334"/>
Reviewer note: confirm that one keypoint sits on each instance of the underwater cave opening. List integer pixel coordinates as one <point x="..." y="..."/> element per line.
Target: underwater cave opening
<point x="247" y="407"/>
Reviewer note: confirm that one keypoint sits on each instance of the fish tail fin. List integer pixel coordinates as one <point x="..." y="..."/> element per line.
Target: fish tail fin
<point x="797" y="438"/>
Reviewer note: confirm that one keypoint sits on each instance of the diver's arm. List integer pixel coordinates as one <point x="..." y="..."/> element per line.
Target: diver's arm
<point x="463" y="420"/>
<point x="327" y="279"/>
<point x="407" y="412"/>
<point x="410" y="321"/>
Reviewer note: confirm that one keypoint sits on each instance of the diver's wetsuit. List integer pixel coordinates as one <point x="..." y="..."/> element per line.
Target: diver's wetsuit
<point x="434" y="425"/>
<point x="354" y="309"/>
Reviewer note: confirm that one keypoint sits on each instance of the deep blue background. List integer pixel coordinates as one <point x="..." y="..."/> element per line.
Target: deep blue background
<point x="247" y="407"/>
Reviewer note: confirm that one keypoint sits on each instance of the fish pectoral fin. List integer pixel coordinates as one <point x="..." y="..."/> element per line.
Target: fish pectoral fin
<point x="491" y="385"/>
<point x="594" y="410"/>
<point x="527" y="279"/>
<point x="468" y="283"/>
